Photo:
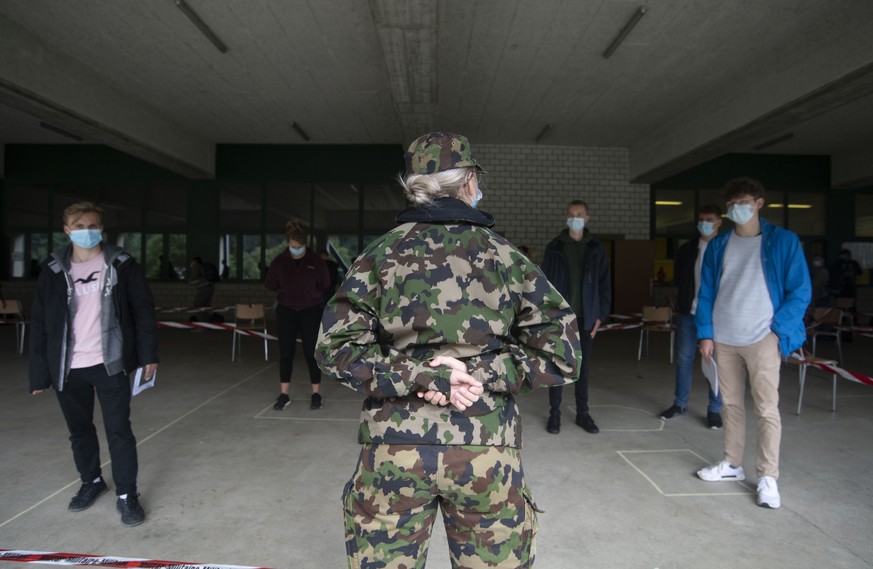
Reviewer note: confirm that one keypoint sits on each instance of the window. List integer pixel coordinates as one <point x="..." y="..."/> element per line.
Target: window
<point x="807" y="214"/>
<point x="864" y="215"/>
<point x="153" y="263"/>
<point x="675" y="212"/>
<point x="251" y="257"/>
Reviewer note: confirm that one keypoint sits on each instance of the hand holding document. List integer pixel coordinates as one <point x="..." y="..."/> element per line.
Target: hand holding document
<point x="710" y="371"/>
<point x="140" y="383"/>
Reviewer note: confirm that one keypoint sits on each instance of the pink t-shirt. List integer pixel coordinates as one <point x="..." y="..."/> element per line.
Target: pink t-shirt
<point x="87" y="332"/>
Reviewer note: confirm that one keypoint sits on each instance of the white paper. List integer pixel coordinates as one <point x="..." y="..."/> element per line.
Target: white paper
<point x="710" y="371"/>
<point x="140" y="384"/>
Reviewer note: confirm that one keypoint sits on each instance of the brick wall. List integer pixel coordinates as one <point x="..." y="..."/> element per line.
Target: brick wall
<point x="528" y="187"/>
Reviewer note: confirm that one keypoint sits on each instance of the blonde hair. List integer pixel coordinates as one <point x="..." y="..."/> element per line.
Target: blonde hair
<point x="422" y="189"/>
<point x="77" y="210"/>
<point x="294" y="231"/>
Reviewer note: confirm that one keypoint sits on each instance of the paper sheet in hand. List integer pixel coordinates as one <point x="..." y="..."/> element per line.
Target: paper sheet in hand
<point x="710" y="371"/>
<point x="140" y="384"/>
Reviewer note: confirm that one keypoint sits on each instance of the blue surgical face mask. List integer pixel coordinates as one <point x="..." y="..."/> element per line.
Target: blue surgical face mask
<point x="740" y="213"/>
<point x="297" y="251"/>
<point x="477" y="199"/>
<point x="86" y="238"/>
<point x="576" y="224"/>
<point x="705" y="228"/>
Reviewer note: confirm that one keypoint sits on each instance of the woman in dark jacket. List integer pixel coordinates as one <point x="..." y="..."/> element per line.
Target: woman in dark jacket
<point x="301" y="278"/>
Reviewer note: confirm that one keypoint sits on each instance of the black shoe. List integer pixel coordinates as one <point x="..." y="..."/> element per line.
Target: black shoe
<point x="587" y="423"/>
<point x="554" y="424"/>
<point x="674" y="412"/>
<point x="87" y="495"/>
<point x="714" y="420"/>
<point x="282" y="401"/>
<point x="130" y="510"/>
<point x="316" y="401"/>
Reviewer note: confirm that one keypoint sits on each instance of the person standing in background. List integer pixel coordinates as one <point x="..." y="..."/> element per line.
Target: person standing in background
<point x="301" y="279"/>
<point x="575" y="263"/>
<point x="687" y="278"/>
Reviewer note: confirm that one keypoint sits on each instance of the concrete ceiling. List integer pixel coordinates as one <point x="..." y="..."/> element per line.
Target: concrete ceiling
<point x="693" y="80"/>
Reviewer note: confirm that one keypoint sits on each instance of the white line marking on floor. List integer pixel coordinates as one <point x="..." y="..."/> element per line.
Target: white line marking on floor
<point x="622" y="453"/>
<point x="289" y="418"/>
<point x="141" y="441"/>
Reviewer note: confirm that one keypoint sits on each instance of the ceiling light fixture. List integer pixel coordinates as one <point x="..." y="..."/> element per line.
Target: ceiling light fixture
<point x="792" y="205"/>
<point x="662" y="202"/>
<point x="543" y="132"/>
<point x="300" y="131"/>
<point x="61" y="131"/>
<point x="201" y="25"/>
<point x="628" y="27"/>
<point x="775" y="141"/>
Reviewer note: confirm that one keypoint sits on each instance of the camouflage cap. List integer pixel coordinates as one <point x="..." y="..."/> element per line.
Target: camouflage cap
<point x="438" y="152"/>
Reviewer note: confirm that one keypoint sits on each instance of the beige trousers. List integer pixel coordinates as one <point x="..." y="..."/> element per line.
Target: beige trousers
<point x="761" y="361"/>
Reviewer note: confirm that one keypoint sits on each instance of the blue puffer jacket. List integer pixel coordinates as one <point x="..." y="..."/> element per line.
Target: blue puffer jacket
<point x="787" y="281"/>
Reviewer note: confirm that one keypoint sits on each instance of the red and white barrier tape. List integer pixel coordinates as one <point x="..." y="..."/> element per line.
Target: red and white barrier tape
<point x="51" y="558"/>
<point x="191" y="310"/>
<point x="850" y="375"/>
<point x="619" y="326"/>
<point x="214" y="326"/>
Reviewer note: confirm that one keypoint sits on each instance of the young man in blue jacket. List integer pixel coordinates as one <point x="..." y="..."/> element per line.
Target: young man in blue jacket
<point x="575" y="263"/>
<point x="92" y="324"/>
<point x="754" y="292"/>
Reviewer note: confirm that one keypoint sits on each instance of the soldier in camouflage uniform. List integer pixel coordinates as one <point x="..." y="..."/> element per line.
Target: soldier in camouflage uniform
<point x="440" y="323"/>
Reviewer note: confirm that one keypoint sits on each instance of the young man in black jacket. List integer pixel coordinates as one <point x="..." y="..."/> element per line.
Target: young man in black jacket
<point x="575" y="263"/>
<point x="92" y="324"/>
<point x="687" y="278"/>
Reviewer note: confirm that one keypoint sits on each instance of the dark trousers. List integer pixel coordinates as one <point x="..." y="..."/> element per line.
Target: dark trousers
<point x="291" y="323"/>
<point x="581" y="386"/>
<point x="77" y="405"/>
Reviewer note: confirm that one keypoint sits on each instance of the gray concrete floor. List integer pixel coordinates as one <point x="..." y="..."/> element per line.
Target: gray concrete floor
<point x="226" y="479"/>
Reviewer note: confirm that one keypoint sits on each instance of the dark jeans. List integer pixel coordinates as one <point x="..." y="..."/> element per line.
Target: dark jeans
<point x="291" y="323"/>
<point x="686" y="348"/>
<point x="77" y="404"/>
<point x="581" y="386"/>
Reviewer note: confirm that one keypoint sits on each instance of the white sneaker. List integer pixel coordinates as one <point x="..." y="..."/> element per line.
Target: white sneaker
<point x="721" y="471"/>
<point x="768" y="493"/>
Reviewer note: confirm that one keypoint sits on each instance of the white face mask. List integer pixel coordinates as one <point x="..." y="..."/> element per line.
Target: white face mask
<point x="741" y="213"/>
<point x="705" y="228"/>
<point x="576" y="224"/>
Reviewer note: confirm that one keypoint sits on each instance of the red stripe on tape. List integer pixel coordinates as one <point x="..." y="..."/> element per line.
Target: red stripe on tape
<point x="54" y="558"/>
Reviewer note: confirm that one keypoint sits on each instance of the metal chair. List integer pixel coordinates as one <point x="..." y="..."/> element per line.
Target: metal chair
<point x="847" y="305"/>
<point x="826" y="321"/>
<point x="13" y="313"/>
<point x="802" y="378"/>
<point x="656" y="319"/>
<point x="248" y="317"/>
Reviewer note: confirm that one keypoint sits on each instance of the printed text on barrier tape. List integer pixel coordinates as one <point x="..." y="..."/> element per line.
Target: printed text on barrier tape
<point x="850" y="375"/>
<point x="214" y="326"/>
<point x="44" y="557"/>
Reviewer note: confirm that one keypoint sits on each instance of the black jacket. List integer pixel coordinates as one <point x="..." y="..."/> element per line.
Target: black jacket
<point x="596" y="289"/>
<point x="686" y="288"/>
<point x="51" y="324"/>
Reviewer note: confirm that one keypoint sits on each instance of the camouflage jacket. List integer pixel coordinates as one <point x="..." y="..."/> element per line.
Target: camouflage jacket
<point x="443" y="283"/>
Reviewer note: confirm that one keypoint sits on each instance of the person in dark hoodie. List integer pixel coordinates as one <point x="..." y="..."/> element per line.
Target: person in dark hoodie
<point x="575" y="263"/>
<point x="92" y="324"/>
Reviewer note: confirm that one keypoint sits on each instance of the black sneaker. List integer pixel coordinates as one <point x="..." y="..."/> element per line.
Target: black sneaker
<point x="554" y="424"/>
<point x="674" y="412"/>
<point x="316" y="401"/>
<point x="131" y="512"/>
<point x="714" y="420"/>
<point x="282" y="401"/>
<point x="87" y="495"/>
<point x="587" y="423"/>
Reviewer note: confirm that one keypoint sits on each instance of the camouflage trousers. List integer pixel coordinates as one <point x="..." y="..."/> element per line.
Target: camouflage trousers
<point x="391" y="503"/>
